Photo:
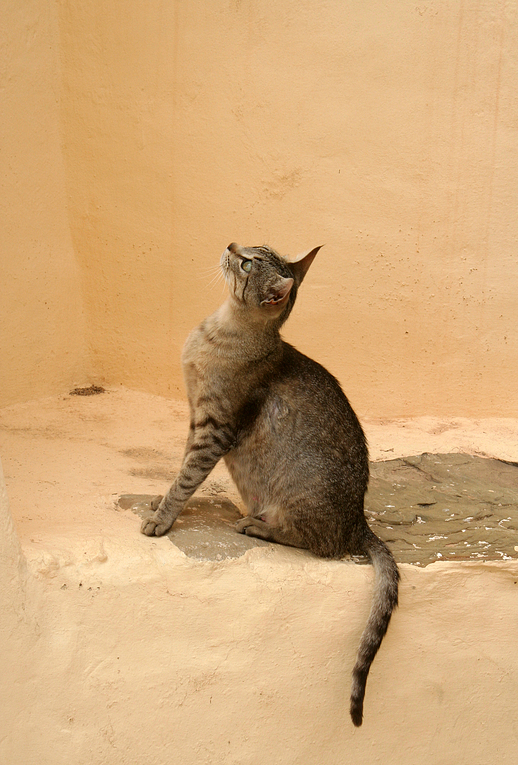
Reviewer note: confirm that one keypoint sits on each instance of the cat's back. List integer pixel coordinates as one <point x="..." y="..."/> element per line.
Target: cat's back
<point x="304" y="456"/>
<point x="311" y="389"/>
<point x="306" y="414"/>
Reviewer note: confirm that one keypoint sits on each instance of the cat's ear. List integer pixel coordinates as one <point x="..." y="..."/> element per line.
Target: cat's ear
<point x="302" y="262"/>
<point x="279" y="294"/>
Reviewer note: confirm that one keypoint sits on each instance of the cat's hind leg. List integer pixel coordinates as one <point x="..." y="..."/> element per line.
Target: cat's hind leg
<point x="255" y="527"/>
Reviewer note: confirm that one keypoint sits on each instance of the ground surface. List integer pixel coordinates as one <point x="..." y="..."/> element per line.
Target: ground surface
<point x="68" y="459"/>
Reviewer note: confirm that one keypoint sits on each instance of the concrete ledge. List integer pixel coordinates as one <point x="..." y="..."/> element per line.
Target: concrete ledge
<point x="118" y="648"/>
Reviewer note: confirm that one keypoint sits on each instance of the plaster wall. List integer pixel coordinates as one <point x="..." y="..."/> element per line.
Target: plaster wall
<point x="138" y="139"/>
<point x="137" y="144"/>
<point x="385" y="131"/>
<point x="42" y="347"/>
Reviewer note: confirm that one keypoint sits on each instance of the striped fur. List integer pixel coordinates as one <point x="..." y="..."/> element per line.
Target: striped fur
<point x="287" y="432"/>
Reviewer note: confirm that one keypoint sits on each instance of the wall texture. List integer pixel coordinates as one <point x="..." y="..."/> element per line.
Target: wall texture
<point x="388" y="132"/>
<point x="137" y="140"/>
<point x="385" y="131"/>
<point x="41" y="316"/>
<point x="119" y="120"/>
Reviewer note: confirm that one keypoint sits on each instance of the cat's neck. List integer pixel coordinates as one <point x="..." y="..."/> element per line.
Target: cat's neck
<point x="235" y="329"/>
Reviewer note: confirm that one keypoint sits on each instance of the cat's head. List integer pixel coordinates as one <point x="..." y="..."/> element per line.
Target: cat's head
<point x="263" y="281"/>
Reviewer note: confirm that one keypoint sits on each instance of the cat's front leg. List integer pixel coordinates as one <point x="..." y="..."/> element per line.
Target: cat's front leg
<point x="206" y="446"/>
<point x="160" y="522"/>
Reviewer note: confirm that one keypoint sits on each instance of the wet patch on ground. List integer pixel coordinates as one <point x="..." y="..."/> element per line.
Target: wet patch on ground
<point x="205" y="529"/>
<point x="445" y="507"/>
<point x="427" y="508"/>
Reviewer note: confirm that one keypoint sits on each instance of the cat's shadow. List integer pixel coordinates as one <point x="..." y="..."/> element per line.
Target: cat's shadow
<point x="206" y="528"/>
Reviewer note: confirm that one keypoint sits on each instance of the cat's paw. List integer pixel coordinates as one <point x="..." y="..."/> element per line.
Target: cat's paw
<point x="156" y="501"/>
<point x="243" y="524"/>
<point x="155" y="528"/>
<point x="253" y="527"/>
<point x="159" y="523"/>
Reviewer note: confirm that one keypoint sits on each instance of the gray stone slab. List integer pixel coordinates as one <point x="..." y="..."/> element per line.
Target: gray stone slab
<point x="427" y="508"/>
<point x="205" y="529"/>
<point x="445" y="507"/>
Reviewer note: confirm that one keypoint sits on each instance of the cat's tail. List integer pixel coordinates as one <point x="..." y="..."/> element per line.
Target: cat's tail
<point x="384" y="601"/>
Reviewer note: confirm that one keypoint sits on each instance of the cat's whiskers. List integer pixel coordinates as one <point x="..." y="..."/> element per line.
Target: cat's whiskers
<point x="210" y="271"/>
<point x="217" y="276"/>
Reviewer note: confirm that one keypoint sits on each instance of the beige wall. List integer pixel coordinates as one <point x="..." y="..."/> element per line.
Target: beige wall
<point x="386" y="131"/>
<point x="118" y="117"/>
<point x="137" y="140"/>
<point x="41" y="314"/>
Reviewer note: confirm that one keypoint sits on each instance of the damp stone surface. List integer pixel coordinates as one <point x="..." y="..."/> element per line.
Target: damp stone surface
<point x="427" y="508"/>
<point x="445" y="507"/>
<point x="204" y="530"/>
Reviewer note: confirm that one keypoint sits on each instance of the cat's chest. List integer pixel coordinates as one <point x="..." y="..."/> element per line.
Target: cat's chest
<point x="205" y="367"/>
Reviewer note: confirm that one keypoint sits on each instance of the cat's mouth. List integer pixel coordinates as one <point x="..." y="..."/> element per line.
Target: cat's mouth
<point x="227" y="270"/>
<point x="225" y="262"/>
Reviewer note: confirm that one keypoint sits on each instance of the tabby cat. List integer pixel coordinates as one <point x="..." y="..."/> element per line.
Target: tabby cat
<point x="287" y="432"/>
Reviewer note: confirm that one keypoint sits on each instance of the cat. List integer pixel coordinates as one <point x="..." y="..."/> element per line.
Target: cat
<point x="290" y="439"/>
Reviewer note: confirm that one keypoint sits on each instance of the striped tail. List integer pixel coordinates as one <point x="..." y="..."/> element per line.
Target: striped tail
<point x="384" y="601"/>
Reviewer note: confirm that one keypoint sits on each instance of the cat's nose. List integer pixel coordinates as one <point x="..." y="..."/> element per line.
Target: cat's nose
<point x="233" y="247"/>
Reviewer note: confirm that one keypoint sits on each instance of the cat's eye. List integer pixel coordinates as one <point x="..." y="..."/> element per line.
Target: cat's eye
<point x="246" y="265"/>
